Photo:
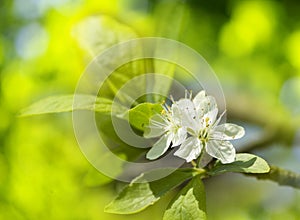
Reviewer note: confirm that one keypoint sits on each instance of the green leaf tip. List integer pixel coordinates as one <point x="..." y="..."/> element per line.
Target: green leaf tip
<point x="134" y="198"/>
<point x="65" y="103"/>
<point x="244" y="163"/>
<point x="190" y="203"/>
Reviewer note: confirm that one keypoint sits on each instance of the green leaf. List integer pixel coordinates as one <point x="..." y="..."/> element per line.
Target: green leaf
<point x="189" y="203"/>
<point x="112" y="139"/>
<point x="140" y="115"/>
<point x="244" y="163"/>
<point x="141" y="193"/>
<point x="95" y="34"/>
<point x="64" y="103"/>
<point x="131" y="79"/>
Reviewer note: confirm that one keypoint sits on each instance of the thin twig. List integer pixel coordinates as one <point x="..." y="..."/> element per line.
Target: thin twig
<point x="281" y="176"/>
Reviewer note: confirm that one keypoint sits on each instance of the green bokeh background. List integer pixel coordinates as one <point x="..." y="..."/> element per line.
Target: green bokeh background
<point x="253" y="46"/>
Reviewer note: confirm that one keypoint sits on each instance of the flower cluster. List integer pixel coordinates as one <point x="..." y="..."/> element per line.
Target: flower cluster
<point x="192" y="125"/>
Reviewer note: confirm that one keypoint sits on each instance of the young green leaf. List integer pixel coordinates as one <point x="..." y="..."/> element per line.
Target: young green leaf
<point x="244" y="163"/>
<point x="140" y="115"/>
<point x="64" y="103"/>
<point x="189" y="203"/>
<point x="141" y="193"/>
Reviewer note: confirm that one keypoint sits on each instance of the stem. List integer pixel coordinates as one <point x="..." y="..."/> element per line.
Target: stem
<point x="201" y="155"/>
<point x="194" y="164"/>
<point x="281" y="176"/>
<point x="200" y="172"/>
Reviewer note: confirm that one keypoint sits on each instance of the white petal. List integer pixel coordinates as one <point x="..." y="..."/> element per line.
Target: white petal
<point x="211" y="116"/>
<point x="222" y="150"/>
<point x="205" y="104"/>
<point x="227" y="132"/>
<point x="186" y="105"/>
<point x="190" y="149"/>
<point x="188" y="113"/>
<point x="199" y="98"/>
<point x="219" y="119"/>
<point x="156" y="127"/>
<point x="176" y="114"/>
<point x="207" y="110"/>
<point x="179" y="136"/>
<point x="158" y="149"/>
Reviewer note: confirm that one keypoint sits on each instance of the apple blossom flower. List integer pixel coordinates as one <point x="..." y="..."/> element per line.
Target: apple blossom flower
<point x="205" y="134"/>
<point x="193" y="125"/>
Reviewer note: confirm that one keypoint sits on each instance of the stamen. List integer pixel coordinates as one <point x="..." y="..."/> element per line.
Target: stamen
<point x="172" y="99"/>
<point x="158" y="124"/>
<point x="166" y="107"/>
<point x="207" y="120"/>
<point x="163" y="118"/>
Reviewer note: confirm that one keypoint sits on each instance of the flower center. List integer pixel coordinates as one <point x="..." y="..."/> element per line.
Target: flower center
<point x="203" y="134"/>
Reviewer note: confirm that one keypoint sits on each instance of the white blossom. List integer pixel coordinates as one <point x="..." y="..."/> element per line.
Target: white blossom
<point x="193" y="125"/>
<point x="200" y="118"/>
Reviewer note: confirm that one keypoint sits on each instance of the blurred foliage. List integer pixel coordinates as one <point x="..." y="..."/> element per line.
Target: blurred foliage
<point x="254" y="47"/>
